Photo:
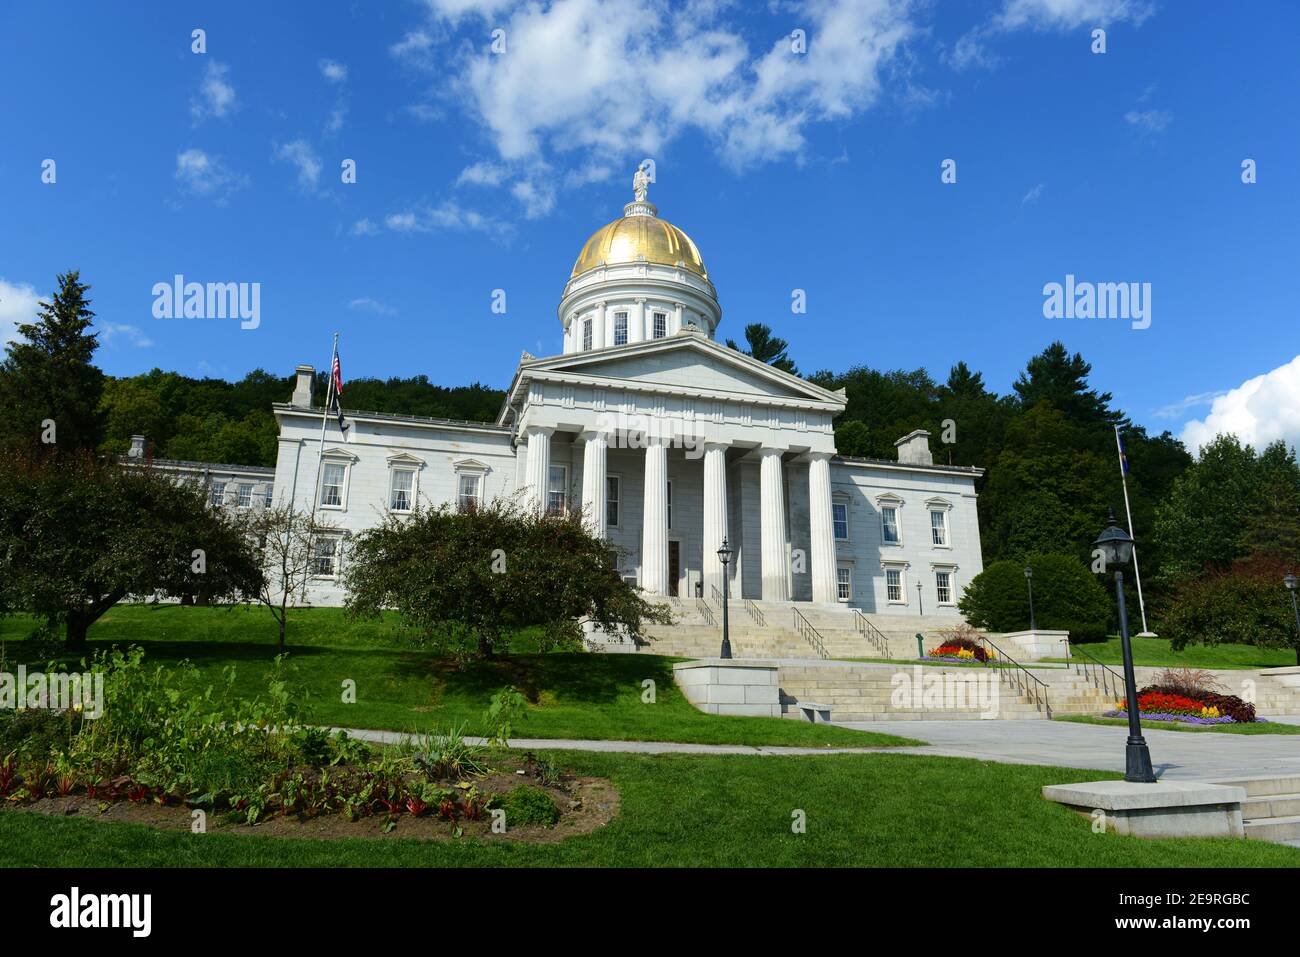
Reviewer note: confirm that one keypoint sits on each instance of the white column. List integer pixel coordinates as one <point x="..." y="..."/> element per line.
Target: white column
<point x="537" y="478"/>
<point x="775" y="562"/>
<point x="676" y="321"/>
<point x="594" y="457"/>
<point x="636" y="330"/>
<point x="654" y="528"/>
<point x="715" y="514"/>
<point x="598" y="325"/>
<point x="822" y="527"/>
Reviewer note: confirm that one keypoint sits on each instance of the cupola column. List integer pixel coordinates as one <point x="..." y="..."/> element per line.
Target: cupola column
<point x="636" y="323"/>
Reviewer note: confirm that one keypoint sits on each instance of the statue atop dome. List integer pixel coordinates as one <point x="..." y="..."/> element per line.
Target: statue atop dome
<point x="641" y="182"/>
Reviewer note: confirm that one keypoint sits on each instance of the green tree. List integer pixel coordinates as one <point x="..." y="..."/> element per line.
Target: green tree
<point x="1067" y="596"/>
<point x="1272" y="528"/>
<point x="853" y="438"/>
<point x="47" y="376"/>
<point x="463" y="581"/>
<point x="286" y="541"/>
<point x="766" y="347"/>
<point x="1200" y="524"/>
<point x="1057" y="377"/>
<point x="130" y="408"/>
<point x="1245" y="604"/>
<point x="78" y="535"/>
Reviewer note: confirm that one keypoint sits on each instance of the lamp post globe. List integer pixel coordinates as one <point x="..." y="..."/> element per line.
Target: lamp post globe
<point x="724" y="556"/>
<point x="1290" y="581"/>
<point x="1115" y="546"/>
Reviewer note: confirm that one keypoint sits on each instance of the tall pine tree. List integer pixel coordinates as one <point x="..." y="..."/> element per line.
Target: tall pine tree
<point x="49" y="390"/>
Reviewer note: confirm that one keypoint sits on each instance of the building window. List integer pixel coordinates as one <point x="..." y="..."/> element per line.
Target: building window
<point x="325" y="558"/>
<point x="843" y="583"/>
<point x="894" y="585"/>
<point x="331" y="485"/>
<point x="620" y="328"/>
<point x="939" y="527"/>
<point x="611" y="501"/>
<point x="889" y="524"/>
<point x="401" y="489"/>
<point x="943" y="587"/>
<point x="244" y="491"/>
<point x="660" y="325"/>
<point x="468" y="492"/>
<point x="268" y="498"/>
<point x="840" y="519"/>
<point x="586" y="335"/>
<point x="556" y="491"/>
<point x="218" y="494"/>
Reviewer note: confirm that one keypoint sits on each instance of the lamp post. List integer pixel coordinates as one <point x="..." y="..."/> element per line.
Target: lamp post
<point x="724" y="556"/>
<point x="920" y="608"/>
<point x="1029" y="580"/>
<point x="1116" y="548"/>
<point x="1290" y="582"/>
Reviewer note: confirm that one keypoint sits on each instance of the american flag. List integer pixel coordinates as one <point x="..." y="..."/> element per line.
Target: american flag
<point x="336" y="395"/>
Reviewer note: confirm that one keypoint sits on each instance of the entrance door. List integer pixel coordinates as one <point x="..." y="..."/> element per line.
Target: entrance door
<point x="674" y="566"/>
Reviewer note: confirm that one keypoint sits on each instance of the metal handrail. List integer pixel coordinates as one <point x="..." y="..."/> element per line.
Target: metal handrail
<point x="1103" y="677"/>
<point x="873" y="634"/>
<point x="1019" y="677"/>
<point x="804" y="628"/>
<point x="754" y="612"/>
<point x="717" y="595"/>
<point x="706" y="611"/>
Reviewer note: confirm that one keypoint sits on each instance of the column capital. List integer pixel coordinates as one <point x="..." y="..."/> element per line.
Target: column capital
<point x="594" y="435"/>
<point x="723" y="444"/>
<point x="640" y="300"/>
<point x="532" y="430"/>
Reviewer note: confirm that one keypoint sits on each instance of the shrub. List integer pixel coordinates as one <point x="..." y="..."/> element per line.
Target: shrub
<point x="527" y="804"/>
<point x="1246" y="605"/>
<point x="1067" y="596"/>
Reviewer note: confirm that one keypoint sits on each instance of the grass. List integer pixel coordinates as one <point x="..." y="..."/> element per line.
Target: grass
<point x="1156" y="652"/>
<point x="399" y="688"/>
<point x="1271" y="727"/>
<point x="714" y="811"/>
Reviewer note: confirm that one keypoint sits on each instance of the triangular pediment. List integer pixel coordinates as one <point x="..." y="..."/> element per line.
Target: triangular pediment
<point x="688" y="362"/>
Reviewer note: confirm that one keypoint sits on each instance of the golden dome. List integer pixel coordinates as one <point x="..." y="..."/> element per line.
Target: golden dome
<point x="640" y="236"/>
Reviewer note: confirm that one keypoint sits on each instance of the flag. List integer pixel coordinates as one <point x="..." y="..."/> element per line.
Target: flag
<point x="336" y="396"/>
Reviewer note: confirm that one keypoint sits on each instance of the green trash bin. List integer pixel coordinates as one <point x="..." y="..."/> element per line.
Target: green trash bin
<point x="920" y="646"/>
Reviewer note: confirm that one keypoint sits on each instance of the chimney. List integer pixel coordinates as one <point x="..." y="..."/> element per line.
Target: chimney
<point x="302" y="386"/>
<point x="914" y="448"/>
<point x="136" y="451"/>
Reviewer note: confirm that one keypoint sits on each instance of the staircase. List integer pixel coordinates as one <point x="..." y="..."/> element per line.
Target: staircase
<point x="1271" y="811"/>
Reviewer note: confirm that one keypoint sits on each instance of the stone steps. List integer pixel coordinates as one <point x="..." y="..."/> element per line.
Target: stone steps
<point x="1271" y="811"/>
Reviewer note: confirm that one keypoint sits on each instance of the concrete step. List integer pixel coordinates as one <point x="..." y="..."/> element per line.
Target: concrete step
<point x="1272" y="805"/>
<point x="1277" y="829"/>
<point x="1267" y="786"/>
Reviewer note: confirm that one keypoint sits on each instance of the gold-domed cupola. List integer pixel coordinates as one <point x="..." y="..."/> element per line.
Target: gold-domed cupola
<point x="637" y="278"/>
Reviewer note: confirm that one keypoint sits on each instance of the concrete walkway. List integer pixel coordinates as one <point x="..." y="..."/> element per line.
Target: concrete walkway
<point x="1177" y="755"/>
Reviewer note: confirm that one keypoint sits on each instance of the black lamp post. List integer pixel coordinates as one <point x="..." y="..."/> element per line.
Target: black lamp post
<point x="1029" y="580"/>
<point x="1116" y="547"/>
<point x="920" y="608"/>
<point x="1290" y="582"/>
<point x="724" y="556"/>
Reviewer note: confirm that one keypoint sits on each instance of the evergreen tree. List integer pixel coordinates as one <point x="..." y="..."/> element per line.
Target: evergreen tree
<point x="1061" y="379"/>
<point x="47" y="377"/>
<point x="766" y="347"/>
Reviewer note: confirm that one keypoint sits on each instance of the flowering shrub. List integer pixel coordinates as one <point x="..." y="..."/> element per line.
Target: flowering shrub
<point x="1166" y="703"/>
<point x="960" y="648"/>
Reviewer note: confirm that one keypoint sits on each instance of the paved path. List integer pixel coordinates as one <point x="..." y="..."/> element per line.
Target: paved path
<point x="1178" y="755"/>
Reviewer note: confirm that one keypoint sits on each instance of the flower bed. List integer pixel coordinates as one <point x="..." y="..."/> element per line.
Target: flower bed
<point x="961" y="650"/>
<point x="1188" y="704"/>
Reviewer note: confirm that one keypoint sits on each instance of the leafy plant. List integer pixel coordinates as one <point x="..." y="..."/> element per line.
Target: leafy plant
<point x="527" y="804"/>
<point x="507" y="707"/>
<point x="446" y="755"/>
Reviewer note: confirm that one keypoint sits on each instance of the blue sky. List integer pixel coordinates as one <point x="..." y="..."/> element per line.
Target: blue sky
<point x="480" y="170"/>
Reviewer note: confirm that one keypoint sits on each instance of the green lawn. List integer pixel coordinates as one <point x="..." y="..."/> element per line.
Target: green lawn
<point x="1157" y="653"/>
<point x="401" y="689"/>
<point x="1270" y="727"/>
<point x="706" y="811"/>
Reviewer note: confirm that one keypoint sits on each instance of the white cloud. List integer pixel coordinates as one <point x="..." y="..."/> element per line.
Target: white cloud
<point x="971" y="50"/>
<point x="216" y="96"/>
<point x="299" y="154"/>
<point x="1175" y="409"/>
<point x="202" y="175"/>
<point x="595" y="81"/>
<point x="18" y="303"/>
<point x="448" y="215"/>
<point x="1259" y="411"/>
<point x="1034" y="193"/>
<point x="482" y="174"/>
<point x="367" y="304"/>
<point x="111" y="332"/>
<point x="1153" y="120"/>
<point x="364" y="227"/>
<point x="333" y="71"/>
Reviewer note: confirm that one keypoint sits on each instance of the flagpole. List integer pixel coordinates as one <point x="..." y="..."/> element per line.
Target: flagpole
<point x="324" y="421"/>
<point x="1123" y="477"/>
